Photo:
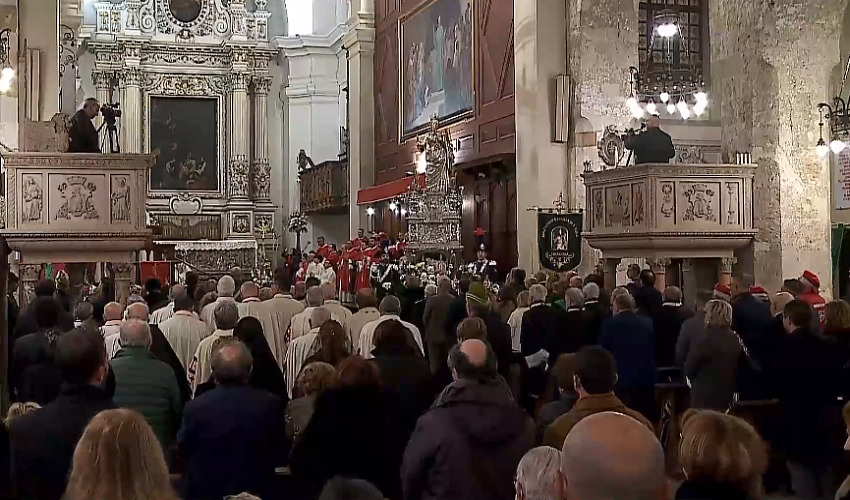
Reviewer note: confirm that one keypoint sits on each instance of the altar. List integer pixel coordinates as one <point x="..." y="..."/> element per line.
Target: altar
<point x="193" y="88"/>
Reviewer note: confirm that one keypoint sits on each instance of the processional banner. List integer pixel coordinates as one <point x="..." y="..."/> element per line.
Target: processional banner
<point x="559" y="240"/>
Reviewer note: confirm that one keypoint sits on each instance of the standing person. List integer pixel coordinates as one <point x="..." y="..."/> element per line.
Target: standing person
<point x="631" y="340"/>
<point x="333" y="347"/>
<point x="541" y="323"/>
<point x="313" y="380"/>
<point x="226" y="288"/>
<point x="43" y="441"/>
<point x="28" y="319"/>
<point x="303" y="347"/>
<point x="339" y="312"/>
<point x="811" y="295"/>
<point x="498" y="333"/>
<point x="113" y="313"/>
<point x="35" y="373"/>
<point x="648" y="299"/>
<point x="167" y="311"/>
<point x="564" y="374"/>
<point x="807" y="400"/>
<point x="668" y="324"/>
<point x="750" y="316"/>
<point x="153" y="294"/>
<point x="354" y="432"/>
<point x="712" y="364"/>
<point x="470" y="442"/>
<point x="300" y="324"/>
<point x="161" y="349"/>
<point x="266" y="373"/>
<point x="83" y="138"/>
<point x="692" y="328"/>
<point x="252" y="306"/>
<point x="226" y="318"/>
<point x="570" y="338"/>
<point x="523" y="301"/>
<point x="390" y="309"/>
<point x="283" y="307"/>
<point x="145" y="384"/>
<point x="233" y="437"/>
<point x="184" y="331"/>
<point x="118" y="457"/>
<point x="652" y="145"/>
<point x="367" y="311"/>
<point x="594" y="314"/>
<point x="434" y="318"/>
<point x="538" y="474"/>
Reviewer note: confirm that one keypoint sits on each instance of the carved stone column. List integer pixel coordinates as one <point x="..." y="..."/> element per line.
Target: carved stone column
<point x="260" y="168"/>
<point x="103" y="85"/>
<point x="131" y="111"/>
<point x="689" y="282"/>
<point x="124" y="275"/>
<point x="237" y="182"/>
<point x="725" y="275"/>
<point x="610" y="270"/>
<point x="29" y="277"/>
<point x="659" y="269"/>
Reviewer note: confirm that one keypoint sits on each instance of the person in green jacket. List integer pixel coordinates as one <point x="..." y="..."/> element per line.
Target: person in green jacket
<point x="145" y="384"/>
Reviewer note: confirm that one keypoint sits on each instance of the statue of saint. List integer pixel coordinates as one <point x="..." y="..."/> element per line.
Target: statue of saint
<point x="439" y="159"/>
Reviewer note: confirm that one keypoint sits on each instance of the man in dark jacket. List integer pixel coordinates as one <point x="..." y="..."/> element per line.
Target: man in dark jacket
<point x="43" y="442"/>
<point x="647" y="299"/>
<point x="750" y="316"/>
<point x="498" y="332"/>
<point x="468" y="445"/>
<point x="145" y="384"/>
<point x="35" y="374"/>
<point x="232" y="437"/>
<point x="631" y="340"/>
<point x="27" y="322"/>
<point x="457" y="311"/>
<point x="692" y="328"/>
<point x="668" y="323"/>
<point x="595" y="311"/>
<point x="434" y="320"/>
<point x="653" y="145"/>
<point x="807" y="400"/>
<point x="83" y="136"/>
<point x="540" y="324"/>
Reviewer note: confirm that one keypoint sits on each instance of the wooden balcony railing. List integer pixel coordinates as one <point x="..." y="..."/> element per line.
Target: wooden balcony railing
<point x="324" y="187"/>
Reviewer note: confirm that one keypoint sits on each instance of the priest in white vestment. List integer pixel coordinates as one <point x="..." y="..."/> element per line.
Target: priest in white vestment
<point x="251" y="305"/>
<point x="367" y="311"/>
<point x="113" y="315"/>
<point x="303" y="347"/>
<point x="225" y="288"/>
<point x="184" y="331"/>
<point x="339" y="312"/>
<point x="390" y="308"/>
<point x="167" y="311"/>
<point x="301" y="322"/>
<point x="225" y="315"/>
<point x="284" y="308"/>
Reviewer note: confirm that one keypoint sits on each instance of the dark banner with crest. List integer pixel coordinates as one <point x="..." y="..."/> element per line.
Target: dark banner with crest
<point x="559" y="239"/>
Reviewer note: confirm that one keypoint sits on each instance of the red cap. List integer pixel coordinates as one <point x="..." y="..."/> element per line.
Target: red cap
<point x="811" y="279"/>
<point x="722" y="291"/>
<point x="757" y="289"/>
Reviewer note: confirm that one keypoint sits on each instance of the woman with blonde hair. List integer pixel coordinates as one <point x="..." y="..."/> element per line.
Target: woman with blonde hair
<point x="712" y="364"/>
<point x="313" y="380"/>
<point x="472" y="328"/>
<point x="722" y="457"/>
<point x="119" y="457"/>
<point x="20" y="409"/>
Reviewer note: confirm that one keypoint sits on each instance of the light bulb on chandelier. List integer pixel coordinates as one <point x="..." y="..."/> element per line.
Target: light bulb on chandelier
<point x="393" y="206"/>
<point x="667" y="30"/>
<point x="671" y="108"/>
<point x="665" y="96"/>
<point x="822" y="149"/>
<point x="651" y="108"/>
<point x="837" y="146"/>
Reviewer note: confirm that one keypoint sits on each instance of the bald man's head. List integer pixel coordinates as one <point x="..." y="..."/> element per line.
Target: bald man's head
<point x="473" y="360"/>
<point x="609" y="456"/>
<point x="653" y="122"/>
<point x="113" y="311"/>
<point x="780" y="300"/>
<point x="249" y="290"/>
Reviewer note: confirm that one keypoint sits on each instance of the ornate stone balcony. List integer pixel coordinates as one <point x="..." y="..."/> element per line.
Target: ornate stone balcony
<point x="63" y="207"/>
<point x="670" y="210"/>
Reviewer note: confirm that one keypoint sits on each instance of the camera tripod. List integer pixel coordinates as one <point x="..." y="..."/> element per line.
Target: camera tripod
<point x="111" y="137"/>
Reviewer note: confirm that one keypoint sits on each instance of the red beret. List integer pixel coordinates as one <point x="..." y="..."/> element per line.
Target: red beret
<point x="722" y="291"/>
<point x="811" y="278"/>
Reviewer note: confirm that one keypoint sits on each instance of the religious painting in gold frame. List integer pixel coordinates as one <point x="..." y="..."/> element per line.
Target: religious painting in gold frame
<point x="436" y="65"/>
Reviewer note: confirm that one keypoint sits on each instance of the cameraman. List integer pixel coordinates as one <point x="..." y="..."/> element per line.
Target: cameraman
<point x="652" y="145"/>
<point x="83" y="136"/>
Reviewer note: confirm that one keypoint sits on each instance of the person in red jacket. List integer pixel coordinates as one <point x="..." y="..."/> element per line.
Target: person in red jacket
<point x="811" y="294"/>
<point x="323" y="249"/>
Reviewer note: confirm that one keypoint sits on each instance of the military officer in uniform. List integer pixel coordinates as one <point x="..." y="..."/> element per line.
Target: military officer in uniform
<point x="484" y="267"/>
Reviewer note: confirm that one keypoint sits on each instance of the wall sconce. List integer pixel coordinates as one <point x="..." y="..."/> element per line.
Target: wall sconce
<point x="8" y="73"/>
<point x="370" y="211"/>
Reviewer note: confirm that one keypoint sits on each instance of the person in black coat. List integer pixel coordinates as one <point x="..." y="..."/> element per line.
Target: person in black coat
<point x="630" y="338"/>
<point x="233" y="437"/>
<point x="668" y="324"/>
<point x="43" y="441"/>
<point x="652" y="145"/>
<point x="648" y="300"/>
<point x="540" y="324"/>
<point x="35" y="374"/>
<point x="457" y="311"/>
<point x="82" y="137"/>
<point x="750" y="316"/>
<point x="804" y="374"/>
<point x="354" y="432"/>
<point x="593" y="315"/>
<point x="569" y="337"/>
<point x="405" y="374"/>
<point x="266" y="373"/>
<point x="27" y="322"/>
<point x="498" y="331"/>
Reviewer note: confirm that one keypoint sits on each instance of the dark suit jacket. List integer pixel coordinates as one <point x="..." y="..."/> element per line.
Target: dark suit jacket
<point x="592" y="318"/>
<point x="232" y="439"/>
<point x="27" y="321"/>
<point x="668" y="323"/>
<point x="435" y="315"/>
<point x="457" y="313"/>
<point x="83" y="135"/>
<point x="750" y="318"/>
<point x="652" y="146"/>
<point x="631" y="340"/>
<point x="540" y="325"/>
<point x="648" y="300"/>
<point x="43" y="441"/>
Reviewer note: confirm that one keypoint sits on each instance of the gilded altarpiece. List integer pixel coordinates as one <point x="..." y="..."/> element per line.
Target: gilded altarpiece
<point x="192" y="80"/>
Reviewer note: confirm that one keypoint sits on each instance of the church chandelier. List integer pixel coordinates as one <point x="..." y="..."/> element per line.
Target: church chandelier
<point x="7" y="73"/>
<point x="839" y="121"/>
<point x="667" y="85"/>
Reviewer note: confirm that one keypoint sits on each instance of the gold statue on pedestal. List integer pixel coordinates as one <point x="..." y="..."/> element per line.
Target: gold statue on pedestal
<point x="439" y="159"/>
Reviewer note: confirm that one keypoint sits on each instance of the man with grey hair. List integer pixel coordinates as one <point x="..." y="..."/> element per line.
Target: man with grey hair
<point x="608" y="456"/>
<point x="541" y="325"/>
<point x="226" y="289"/>
<point x="184" y="331"/>
<point x="474" y="418"/>
<point x="668" y="324"/>
<point x="300" y="324"/>
<point x="145" y="384"/>
<point x="167" y="311"/>
<point x="303" y="347"/>
<point x="390" y="308"/>
<point x="161" y="348"/>
<point x="434" y="319"/>
<point x="367" y="311"/>
<point x="630" y="338"/>
<point x="573" y="335"/>
<point x="538" y="475"/>
<point x="226" y="316"/>
<point x="232" y="438"/>
<point x="112" y="315"/>
<point x="284" y="307"/>
<point x="339" y="312"/>
<point x="594" y="313"/>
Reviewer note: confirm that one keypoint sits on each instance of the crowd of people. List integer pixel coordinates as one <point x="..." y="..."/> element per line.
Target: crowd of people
<point x="544" y="388"/>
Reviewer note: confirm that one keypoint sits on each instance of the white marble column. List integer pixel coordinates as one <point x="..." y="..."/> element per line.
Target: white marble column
<point x="261" y="170"/>
<point x="130" y="129"/>
<point x="360" y="43"/>
<point x="103" y="85"/>
<point x="238" y="139"/>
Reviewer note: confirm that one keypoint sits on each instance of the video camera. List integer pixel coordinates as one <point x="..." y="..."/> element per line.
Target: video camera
<point x="110" y="112"/>
<point x="631" y="131"/>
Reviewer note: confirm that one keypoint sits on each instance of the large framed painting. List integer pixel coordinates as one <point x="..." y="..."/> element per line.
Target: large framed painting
<point x="185" y="131"/>
<point x="436" y="73"/>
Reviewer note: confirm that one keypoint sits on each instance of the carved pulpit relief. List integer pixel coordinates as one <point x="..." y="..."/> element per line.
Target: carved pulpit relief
<point x="76" y="193"/>
<point x="33" y="198"/>
<point x="120" y="198"/>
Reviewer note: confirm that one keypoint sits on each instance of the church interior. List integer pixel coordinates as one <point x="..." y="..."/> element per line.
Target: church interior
<point x="266" y="125"/>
